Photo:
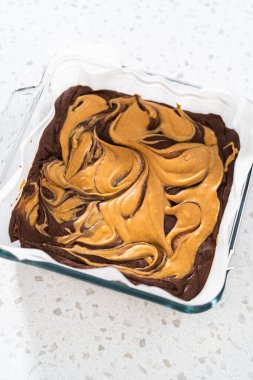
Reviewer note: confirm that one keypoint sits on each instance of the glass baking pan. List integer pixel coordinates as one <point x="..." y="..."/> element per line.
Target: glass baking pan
<point x="28" y="112"/>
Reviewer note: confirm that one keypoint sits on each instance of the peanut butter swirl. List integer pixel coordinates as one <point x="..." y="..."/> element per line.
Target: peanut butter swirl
<point x="125" y="169"/>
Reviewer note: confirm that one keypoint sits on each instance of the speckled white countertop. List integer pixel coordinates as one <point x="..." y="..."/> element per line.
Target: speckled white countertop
<point x="54" y="327"/>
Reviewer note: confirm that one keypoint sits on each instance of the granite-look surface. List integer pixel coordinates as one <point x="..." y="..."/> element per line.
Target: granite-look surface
<point x="55" y="327"/>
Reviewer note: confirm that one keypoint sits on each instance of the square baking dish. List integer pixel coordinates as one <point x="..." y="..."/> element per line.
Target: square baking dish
<point x="29" y="111"/>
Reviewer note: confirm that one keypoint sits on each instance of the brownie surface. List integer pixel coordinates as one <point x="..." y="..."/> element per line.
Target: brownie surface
<point x="106" y="165"/>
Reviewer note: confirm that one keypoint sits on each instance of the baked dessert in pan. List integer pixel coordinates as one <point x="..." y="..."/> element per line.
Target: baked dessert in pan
<point x="131" y="183"/>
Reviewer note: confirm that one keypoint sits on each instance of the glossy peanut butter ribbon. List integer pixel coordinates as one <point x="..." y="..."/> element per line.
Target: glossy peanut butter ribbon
<point x="112" y="195"/>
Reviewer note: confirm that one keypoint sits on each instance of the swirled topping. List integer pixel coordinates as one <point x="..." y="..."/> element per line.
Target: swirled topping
<point x="132" y="184"/>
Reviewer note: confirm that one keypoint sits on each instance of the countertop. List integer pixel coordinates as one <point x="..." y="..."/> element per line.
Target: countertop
<point x="54" y="327"/>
